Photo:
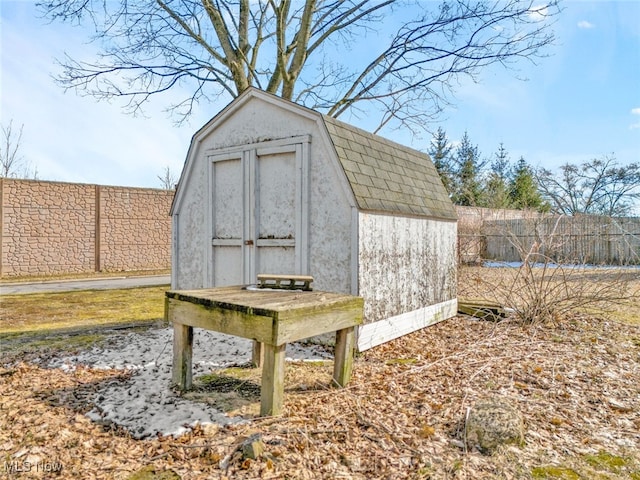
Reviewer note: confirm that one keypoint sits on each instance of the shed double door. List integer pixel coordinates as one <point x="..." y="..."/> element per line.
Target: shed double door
<point x="259" y="211"/>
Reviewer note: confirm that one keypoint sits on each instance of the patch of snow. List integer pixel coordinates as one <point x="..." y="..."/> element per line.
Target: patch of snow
<point x="145" y="404"/>
<point x="498" y="264"/>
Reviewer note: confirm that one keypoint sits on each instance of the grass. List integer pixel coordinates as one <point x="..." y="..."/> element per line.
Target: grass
<point x="82" y="276"/>
<point x="50" y="312"/>
<point x="46" y="323"/>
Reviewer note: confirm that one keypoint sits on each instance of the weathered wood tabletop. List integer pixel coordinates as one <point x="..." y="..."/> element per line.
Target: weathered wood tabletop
<point x="270" y="317"/>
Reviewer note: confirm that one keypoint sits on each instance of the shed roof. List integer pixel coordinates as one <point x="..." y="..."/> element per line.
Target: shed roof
<point x="386" y="176"/>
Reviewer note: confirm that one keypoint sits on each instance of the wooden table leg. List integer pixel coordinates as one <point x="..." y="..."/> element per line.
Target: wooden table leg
<point x="182" y="355"/>
<point x="257" y="354"/>
<point x="343" y="356"/>
<point x="272" y="391"/>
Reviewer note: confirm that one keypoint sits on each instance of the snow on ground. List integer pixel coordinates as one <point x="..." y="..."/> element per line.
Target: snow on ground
<point x="567" y="266"/>
<point x="145" y="404"/>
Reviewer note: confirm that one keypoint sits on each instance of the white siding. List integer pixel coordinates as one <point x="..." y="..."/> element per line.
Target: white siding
<point x="189" y="268"/>
<point x="405" y="265"/>
<point x="330" y="226"/>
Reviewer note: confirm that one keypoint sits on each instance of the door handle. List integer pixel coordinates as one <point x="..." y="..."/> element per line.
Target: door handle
<point x="248" y="242"/>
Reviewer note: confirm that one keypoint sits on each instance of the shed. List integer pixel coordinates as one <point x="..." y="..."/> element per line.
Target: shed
<point x="269" y="186"/>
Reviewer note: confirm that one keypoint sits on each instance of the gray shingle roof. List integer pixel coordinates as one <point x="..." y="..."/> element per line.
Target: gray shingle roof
<point x="388" y="177"/>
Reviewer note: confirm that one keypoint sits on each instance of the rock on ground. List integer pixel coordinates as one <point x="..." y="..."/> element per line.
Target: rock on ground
<point x="492" y="422"/>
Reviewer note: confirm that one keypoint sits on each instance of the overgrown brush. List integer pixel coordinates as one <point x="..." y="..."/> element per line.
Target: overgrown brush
<point x="542" y="289"/>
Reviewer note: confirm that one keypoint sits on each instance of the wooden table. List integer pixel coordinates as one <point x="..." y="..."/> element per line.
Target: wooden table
<point x="272" y="318"/>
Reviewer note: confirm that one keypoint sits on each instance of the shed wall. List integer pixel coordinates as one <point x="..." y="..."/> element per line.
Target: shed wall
<point x="189" y="231"/>
<point x="330" y="222"/>
<point x="333" y="254"/>
<point x="405" y="265"/>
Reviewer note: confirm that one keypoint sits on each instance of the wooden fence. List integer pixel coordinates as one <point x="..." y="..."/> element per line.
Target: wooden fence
<point x="587" y="239"/>
<point x="472" y="222"/>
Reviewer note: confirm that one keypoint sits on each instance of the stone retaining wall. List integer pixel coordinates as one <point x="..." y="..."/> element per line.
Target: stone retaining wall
<point x="55" y="228"/>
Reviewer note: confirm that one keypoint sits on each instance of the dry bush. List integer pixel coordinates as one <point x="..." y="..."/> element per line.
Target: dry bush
<point x="539" y="289"/>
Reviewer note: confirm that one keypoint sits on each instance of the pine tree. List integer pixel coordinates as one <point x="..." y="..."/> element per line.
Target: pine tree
<point x="524" y="191"/>
<point x="496" y="192"/>
<point x="440" y="151"/>
<point x="468" y="185"/>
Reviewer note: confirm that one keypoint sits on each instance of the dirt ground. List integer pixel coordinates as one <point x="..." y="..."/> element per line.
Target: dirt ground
<point x="575" y="379"/>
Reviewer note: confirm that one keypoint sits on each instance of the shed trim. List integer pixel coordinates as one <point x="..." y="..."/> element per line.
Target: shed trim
<point x="355" y="248"/>
<point x="175" y="248"/>
<point x="376" y="333"/>
<point x="267" y="147"/>
<point x="408" y="215"/>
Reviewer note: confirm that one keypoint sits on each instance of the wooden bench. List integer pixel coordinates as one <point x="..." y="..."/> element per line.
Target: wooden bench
<point x="272" y="318"/>
<point x="290" y="282"/>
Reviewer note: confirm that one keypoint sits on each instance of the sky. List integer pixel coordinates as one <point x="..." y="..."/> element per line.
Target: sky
<point x="580" y="103"/>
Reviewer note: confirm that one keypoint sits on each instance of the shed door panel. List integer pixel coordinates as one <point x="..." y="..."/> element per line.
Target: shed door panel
<point x="259" y="212"/>
<point x="228" y="222"/>
<point x="275" y="212"/>
<point x="227" y="263"/>
<point x="227" y="199"/>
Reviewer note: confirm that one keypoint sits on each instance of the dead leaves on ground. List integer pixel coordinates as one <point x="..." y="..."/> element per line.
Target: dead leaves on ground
<point x="576" y="384"/>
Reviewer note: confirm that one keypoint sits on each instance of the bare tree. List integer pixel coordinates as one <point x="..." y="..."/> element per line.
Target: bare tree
<point x="553" y="278"/>
<point x="10" y="160"/>
<point x="12" y="164"/>
<point x="168" y="179"/>
<point x="302" y="50"/>
<point x="598" y="187"/>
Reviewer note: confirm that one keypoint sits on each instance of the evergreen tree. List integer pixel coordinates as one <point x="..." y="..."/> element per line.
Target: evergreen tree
<point x="468" y="187"/>
<point x="440" y="151"/>
<point x="524" y="191"/>
<point x="496" y="192"/>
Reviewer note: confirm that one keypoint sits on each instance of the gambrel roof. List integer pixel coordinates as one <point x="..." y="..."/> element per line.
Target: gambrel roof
<point x="384" y="176"/>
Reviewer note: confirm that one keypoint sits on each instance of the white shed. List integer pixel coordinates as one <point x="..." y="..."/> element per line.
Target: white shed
<point x="269" y="186"/>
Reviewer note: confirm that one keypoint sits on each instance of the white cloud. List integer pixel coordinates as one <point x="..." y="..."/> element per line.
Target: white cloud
<point x="635" y="111"/>
<point x="73" y="138"/>
<point x="585" y="24"/>
<point x="538" y="13"/>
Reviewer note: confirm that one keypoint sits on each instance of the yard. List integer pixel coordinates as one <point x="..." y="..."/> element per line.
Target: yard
<point x="574" y="377"/>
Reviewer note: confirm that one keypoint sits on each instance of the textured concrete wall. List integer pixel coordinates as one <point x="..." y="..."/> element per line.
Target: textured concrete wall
<point x="53" y="228"/>
<point x="135" y="228"/>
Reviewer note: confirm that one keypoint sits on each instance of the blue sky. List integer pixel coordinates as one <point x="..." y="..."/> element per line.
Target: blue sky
<point x="580" y="103"/>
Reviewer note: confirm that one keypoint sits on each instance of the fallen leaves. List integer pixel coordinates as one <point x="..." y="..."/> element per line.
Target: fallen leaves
<point x="402" y="416"/>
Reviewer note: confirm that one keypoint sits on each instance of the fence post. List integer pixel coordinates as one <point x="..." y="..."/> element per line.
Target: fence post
<point x="1" y="224"/>
<point x="97" y="231"/>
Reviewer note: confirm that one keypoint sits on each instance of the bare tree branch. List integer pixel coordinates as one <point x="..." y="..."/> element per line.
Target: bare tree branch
<point x="168" y="180"/>
<point x="10" y="160"/>
<point x="299" y="50"/>
<point x="596" y="187"/>
<point x="12" y="164"/>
